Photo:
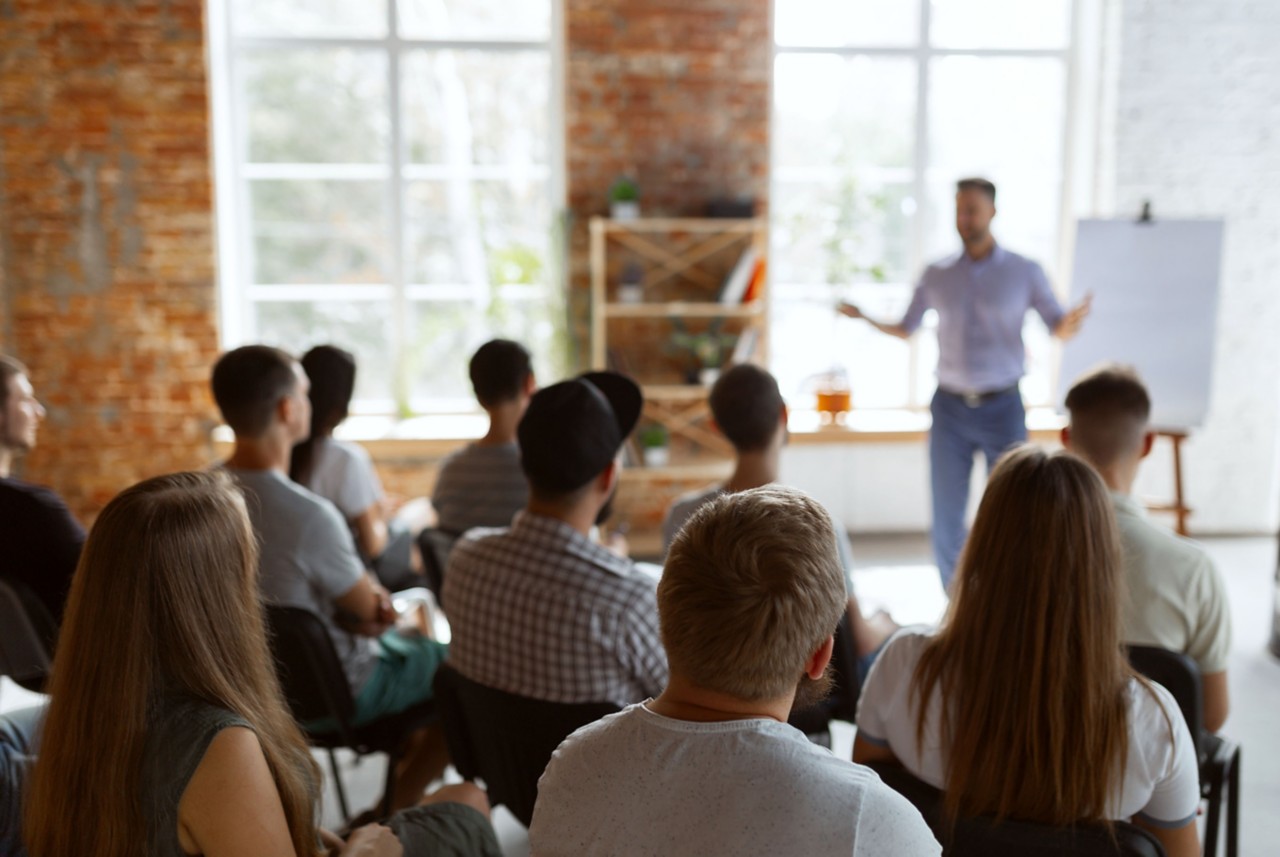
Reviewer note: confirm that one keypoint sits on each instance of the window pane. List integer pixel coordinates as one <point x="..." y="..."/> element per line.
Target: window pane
<point x="476" y="233"/>
<point x="824" y="23"/>
<point x="360" y="327"/>
<point x="476" y="107"/>
<point x="848" y="113"/>
<point x="444" y="335"/>
<point x="319" y="231"/>
<point x="524" y="20"/>
<point x="810" y="338"/>
<point x="1000" y="23"/>
<point x="366" y="18"/>
<point x="841" y="232"/>
<point x="1015" y="139"/>
<point x="324" y="105"/>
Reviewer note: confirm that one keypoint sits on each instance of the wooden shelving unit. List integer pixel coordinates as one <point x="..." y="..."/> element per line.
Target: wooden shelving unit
<point x="684" y="268"/>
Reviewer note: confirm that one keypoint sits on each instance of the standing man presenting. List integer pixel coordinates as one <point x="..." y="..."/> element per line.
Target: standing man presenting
<point x="982" y="295"/>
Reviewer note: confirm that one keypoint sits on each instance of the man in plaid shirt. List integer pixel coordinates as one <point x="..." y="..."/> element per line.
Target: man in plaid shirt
<point x="539" y="609"/>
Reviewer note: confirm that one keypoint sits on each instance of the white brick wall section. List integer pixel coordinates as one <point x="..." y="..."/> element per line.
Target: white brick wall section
<point x="1198" y="133"/>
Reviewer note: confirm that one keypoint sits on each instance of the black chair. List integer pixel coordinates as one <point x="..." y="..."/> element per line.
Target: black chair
<point x="1219" y="757"/>
<point x="434" y="544"/>
<point x="842" y="703"/>
<point x="984" y="837"/>
<point x="27" y="635"/>
<point x="504" y="739"/>
<point x="316" y="687"/>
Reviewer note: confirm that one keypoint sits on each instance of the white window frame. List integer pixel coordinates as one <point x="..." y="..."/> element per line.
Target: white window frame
<point x="1075" y="157"/>
<point x="237" y="293"/>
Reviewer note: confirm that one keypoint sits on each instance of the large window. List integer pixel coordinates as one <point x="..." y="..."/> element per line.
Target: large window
<point x="879" y="106"/>
<point x="386" y="184"/>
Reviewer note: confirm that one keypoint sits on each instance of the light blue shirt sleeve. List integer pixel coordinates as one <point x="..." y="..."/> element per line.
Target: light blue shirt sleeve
<point x="1043" y="300"/>
<point x="916" y="309"/>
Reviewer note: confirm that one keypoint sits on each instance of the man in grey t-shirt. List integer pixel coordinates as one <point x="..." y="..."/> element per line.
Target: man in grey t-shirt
<point x="308" y="558"/>
<point x="482" y="484"/>
<point x="749" y="598"/>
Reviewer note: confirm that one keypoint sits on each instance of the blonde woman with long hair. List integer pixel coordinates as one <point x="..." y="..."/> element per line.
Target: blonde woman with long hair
<point x="166" y="733"/>
<point x="1022" y="704"/>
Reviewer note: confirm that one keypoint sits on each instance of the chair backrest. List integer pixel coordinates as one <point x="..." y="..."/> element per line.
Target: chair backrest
<point x="434" y="544"/>
<point x="310" y="673"/>
<point x="504" y="739"/>
<point x="842" y="703"/>
<point x="27" y="632"/>
<point x="983" y="837"/>
<point x="1179" y="675"/>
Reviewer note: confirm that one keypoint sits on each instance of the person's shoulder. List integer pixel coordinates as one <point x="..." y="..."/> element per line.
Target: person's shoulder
<point x="889" y="823"/>
<point x="689" y="502"/>
<point x="1152" y="709"/>
<point x="908" y="642"/>
<point x="31" y="496"/>
<point x="587" y="743"/>
<point x="944" y="264"/>
<point x="1162" y="548"/>
<point x="347" y="450"/>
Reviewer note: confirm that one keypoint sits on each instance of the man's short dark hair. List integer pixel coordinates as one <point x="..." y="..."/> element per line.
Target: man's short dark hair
<point x="9" y="369"/>
<point x="746" y="404"/>
<point x="499" y="371"/>
<point x="979" y="184"/>
<point x="1109" y="410"/>
<point x="248" y="383"/>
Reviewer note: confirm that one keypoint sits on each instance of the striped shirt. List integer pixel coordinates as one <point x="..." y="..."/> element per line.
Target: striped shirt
<point x="480" y="486"/>
<point x="539" y="610"/>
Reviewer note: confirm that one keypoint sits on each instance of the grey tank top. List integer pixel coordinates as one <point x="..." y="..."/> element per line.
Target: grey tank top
<point x="180" y="732"/>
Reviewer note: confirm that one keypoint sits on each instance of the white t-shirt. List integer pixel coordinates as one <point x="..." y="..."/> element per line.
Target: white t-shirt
<point x="1161" y="776"/>
<point x="638" y="783"/>
<point x="1177" y="600"/>
<point x="343" y="474"/>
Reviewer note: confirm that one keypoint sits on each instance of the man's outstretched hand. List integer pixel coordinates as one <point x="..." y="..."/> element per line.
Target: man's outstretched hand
<point x="849" y="310"/>
<point x="1074" y="319"/>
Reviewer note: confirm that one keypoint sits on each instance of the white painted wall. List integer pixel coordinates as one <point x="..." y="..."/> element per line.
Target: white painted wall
<point x="1197" y="131"/>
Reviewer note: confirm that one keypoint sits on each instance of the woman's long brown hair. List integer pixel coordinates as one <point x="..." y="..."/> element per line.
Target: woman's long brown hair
<point x="1028" y="661"/>
<point x="164" y="600"/>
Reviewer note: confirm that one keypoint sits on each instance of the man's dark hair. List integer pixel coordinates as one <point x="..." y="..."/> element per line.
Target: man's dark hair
<point x="746" y="404"/>
<point x="499" y="370"/>
<point x="1109" y="410"/>
<point x="9" y="369"/>
<point x="249" y="382"/>
<point x="979" y="184"/>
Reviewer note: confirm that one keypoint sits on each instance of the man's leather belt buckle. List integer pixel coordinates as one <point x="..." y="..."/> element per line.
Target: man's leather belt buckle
<point x="972" y="400"/>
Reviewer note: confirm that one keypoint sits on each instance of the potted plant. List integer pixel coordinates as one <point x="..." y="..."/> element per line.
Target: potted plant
<point x="631" y="284"/>
<point x="655" y="445"/>
<point x="708" y="348"/>
<point x="624" y="199"/>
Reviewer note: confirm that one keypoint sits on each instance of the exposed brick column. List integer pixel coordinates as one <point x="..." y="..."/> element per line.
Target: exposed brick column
<point x="675" y="94"/>
<point x="106" y="236"/>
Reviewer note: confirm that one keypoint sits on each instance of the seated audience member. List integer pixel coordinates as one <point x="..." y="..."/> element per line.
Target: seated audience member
<point x="482" y="485"/>
<point x="1177" y="599"/>
<point x="41" y="540"/>
<point x="167" y="733"/>
<point x="748" y="601"/>
<point x="1022" y="705"/>
<point x="308" y="558"/>
<point x="18" y="739"/>
<point x="748" y="409"/>
<point x="342" y="472"/>
<point x="538" y="609"/>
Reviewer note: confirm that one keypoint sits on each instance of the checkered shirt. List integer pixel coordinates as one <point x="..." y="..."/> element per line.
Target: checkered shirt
<point x="539" y="610"/>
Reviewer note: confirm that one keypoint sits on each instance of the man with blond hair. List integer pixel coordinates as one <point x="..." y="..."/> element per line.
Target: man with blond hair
<point x="749" y="598"/>
<point x="1177" y="598"/>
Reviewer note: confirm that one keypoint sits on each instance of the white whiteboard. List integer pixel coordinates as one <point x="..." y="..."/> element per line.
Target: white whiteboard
<point x="1155" y="307"/>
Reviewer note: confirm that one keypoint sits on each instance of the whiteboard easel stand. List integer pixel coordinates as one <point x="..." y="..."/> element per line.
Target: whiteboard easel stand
<point x="1178" y="508"/>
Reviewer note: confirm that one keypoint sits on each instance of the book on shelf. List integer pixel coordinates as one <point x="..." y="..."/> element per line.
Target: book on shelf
<point x="745" y="347"/>
<point x="735" y="285"/>
<point x="757" y="282"/>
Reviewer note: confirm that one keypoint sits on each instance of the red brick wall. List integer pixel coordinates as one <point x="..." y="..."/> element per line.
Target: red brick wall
<point x="675" y="95"/>
<point x="106" y="236"/>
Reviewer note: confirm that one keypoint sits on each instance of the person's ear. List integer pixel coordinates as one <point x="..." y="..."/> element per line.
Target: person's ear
<point x="784" y="414"/>
<point x="1065" y="437"/>
<point x="608" y="478"/>
<point x="530" y="384"/>
<point x="714" y="426"/>
<point x="284" y="409"/>
<point x="821" y="657"/>
<point x="1148" y="441"/>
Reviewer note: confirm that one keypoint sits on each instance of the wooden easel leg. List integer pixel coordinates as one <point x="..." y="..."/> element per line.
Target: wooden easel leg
<point x="1179" y="504"/>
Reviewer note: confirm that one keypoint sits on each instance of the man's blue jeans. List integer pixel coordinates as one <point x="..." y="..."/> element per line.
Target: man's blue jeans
<point x="959" y="430"/>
